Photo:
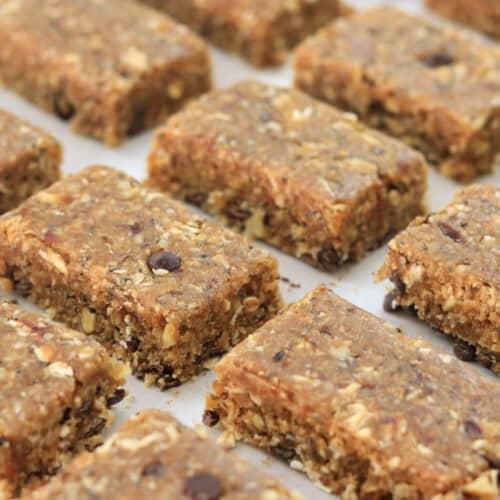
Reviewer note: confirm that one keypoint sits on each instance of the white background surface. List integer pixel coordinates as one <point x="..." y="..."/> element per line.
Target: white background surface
<point x="353" y="282"/>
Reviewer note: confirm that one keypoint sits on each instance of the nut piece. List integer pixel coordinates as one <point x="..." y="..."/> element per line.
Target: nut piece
<point x="88" y="321"/>
<point x="60" y="369"/>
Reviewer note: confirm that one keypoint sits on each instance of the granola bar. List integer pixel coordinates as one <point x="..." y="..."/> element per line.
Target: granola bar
<point x="155" y="283"/>
<point x="447" y="267"/>
<point x="289" y="170"/>
<point x="113" y="68"/>
<point x="483" y="15"/>
<point x="431" y="85"/>
<point x="29" y="160"/>
<point x="363" y="409"/>
<point x="262" y="31"/>
<point x="152" y="454"/>
<point x="56" y="386"/>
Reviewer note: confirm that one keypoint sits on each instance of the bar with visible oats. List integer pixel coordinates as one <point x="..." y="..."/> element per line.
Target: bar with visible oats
<point x="446" y="266"/>
<point x="289" y="170"/>
<point x="262" y="31"/>
<point x="157" y="284"/>
<point x="429" y="84"/>
<point x="111" y="68"/>
<point x="364" y="410"/>
<point x="483" y="15"/>
<point x="153" y="454"/>
<point x="29" y="160"/>
<point x="56" y="387"/>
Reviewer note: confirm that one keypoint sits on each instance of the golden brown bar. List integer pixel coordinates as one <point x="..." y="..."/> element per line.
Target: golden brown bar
<point x="262" y="31"/>
<point x="56" y="386"/>
<point x="447" y="267"/>
<point x="429" y="84"/>
<point x="153" y="455"/>
<point x="363" y="409"/>
<point x="29" y="160"/>
<point x="289" y="170"/>
<point x="155" y="283"/>
<point x="112" y="68"/>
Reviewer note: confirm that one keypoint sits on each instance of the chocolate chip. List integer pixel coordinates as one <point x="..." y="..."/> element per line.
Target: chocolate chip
<point x="464" y="351"/>
<point x="390" y="301"/>
<point x="133" y="344"/>
<point x="450" y="231"/>
<point x="398" y="282"/>
<point x="116" y="397"/>
<point x="95" y="428"/>
<point x="203" y="486"/>
<point x="437" y="59"/>
<point x="135" y="228"/>
<point x="65" y="416"/>
<point x="472" y="429"/>
<point x="23" y="288"/>
<point x="62" y="107"/>
<point x="153" y="469"/>
<point x="238" y="213"/>
<point x="278" y="356"/>
<point x="484" y="360"/>
<point x="196" y="198"/>
<point x="328" y="258"/>
<point x="164" y="260"/>
<point x="493" y="462"/>
<point x="284" y="453"/>
<point x="210" y="418"/>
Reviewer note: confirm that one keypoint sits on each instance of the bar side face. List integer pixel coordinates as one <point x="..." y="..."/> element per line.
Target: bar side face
<point x="139" y="67"/>
<point x="483" y="15"/>
<point x="358" y="406"/>
<point x="262" y="32"/>
<point x="166" y="323"/>
<point x="446" y="267"/>
<point x="286" y="169"/>
<point x="29" y="160"/>
<point x="354" y="63"/>
<point x="153" y="454"/>
<point x="56" y="389"/>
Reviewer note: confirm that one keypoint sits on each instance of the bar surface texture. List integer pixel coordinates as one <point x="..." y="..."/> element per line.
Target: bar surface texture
<point x="112" y="68"/>
<point x="428" y="83"/>
<point x="289" y="170"/>
<point x="361" y="408"/>
<point x="157" y="284"/>
<point x="55" y="389"/>
<point x="446" y="266"/>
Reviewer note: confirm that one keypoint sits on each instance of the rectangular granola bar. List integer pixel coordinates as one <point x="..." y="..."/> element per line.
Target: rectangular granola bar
<point x="483" y="15"/>
<point x="262" y="31"/>
<point x="153" y="455"/>
<point x="431" y="85"/>
<point x="155" y="283"/>
<point x="113" y="68"/>
<point x="363" y="409"/>
<point x="289" y="170"/>
<point x="447" y="267"/>
<point x="56" y="386"/>
<point x="29" y="160"/>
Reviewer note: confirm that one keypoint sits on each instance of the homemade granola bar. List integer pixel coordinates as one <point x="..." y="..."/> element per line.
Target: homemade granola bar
<point x="431" y="85"/>
<point x="289" y="170"/>
<point x="262" y="31"/>
<point x="29" y="160"/>
<point x="155" y="283"/>
<point x="483" y="15"/>
<point x="56" y="386"/>
<point x="447" y="267"/>
<point x="152" y="454"/>
<point x="114" y="68"/>
<point x="363" y="409"/>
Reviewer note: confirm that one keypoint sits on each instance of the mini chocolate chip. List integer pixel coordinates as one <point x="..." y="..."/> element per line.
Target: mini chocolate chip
<point x="62" y="107"/>
<point x="135" y="228"/>
<point x="327" y="258"/>
<point x="493" y="462"/>
<point x="398" y="282"/>
<point x="153" y="469"/>
<point x="65" y="416"/>
<point x="390" y="301"/>
<point x="450" y="231"/>
<point x="23" y="288"/>
<point x="437" y="59"/>
<point x="203" y="486"/>
<point x="484" y="359"/>
<point x="279" y="356"/>
<point x="236" y="212"/>
<point x="283" y="452"/>
<point x="210" y="418"/>
<point x="196" y="198"/>
<point x="464" y="351"/>
<point x="116" y="397"/>
<point x="472" y="429"/>
<point x="95" y="428"/>
<point x="164" y="260"/>
<point x="133" y="344"/>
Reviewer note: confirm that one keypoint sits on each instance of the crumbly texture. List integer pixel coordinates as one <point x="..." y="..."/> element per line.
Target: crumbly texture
<point x="113" y="68"/>
<point x="363" y="409"/>
<point x="447" y="267"/>
<point x="152" y="454"/>
<point x="29" y="160"/>
<point x="429" y="84"/>
<point x="261" y="31"/>
<point x="55" y="389"/>
<point x="483" y="15"/>
<point x="155" y="283"/>
<point x="289" y="170"/>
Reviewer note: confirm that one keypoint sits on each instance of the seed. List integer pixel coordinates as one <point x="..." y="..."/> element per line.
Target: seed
<point x="164" y="260"/>
<point x="279" y="356"/>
